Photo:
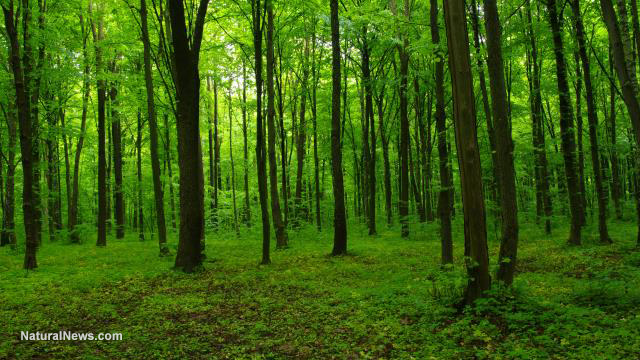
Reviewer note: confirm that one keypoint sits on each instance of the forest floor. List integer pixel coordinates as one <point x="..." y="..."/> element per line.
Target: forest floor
<point x="387" y="299"/>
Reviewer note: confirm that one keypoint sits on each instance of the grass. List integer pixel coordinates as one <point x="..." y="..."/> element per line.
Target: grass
<point x="388" y="299"/>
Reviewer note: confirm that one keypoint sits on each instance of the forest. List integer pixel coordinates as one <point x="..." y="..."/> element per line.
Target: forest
<point x="310" y="179"/>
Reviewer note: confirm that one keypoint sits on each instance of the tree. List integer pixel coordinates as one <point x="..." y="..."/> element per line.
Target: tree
<point x="339" y="221"/>
<point x="504" y="145"/>
<point x="186" y="52"/>
<point x="29" y="197"/>
<point x="98" y="37"/>
<point x="566" y="127"/>
<point x="464" y="115"/>
<point x="256" y="11"/>
<point x="592" y="116"/>
<point x="153" y="133"/>
<point x="281" y="233"/>
<point x="444" y="211"/>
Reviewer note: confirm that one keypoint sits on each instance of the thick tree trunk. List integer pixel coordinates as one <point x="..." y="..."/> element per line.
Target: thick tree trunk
<point x="468" y="155"/>
<point x="29" y="199"/>
<point x="187" y="53"/>
<point x="624" y="69"/>
<point x="504" y="146"/>
<point x="339" y="218"/>
<point x="567" y="129"/>
<point x="153" y="134"/>
<point x="444" y="210"/>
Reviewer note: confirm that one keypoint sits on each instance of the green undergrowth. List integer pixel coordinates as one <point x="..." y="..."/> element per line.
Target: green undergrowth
<point x="389" y="298"/>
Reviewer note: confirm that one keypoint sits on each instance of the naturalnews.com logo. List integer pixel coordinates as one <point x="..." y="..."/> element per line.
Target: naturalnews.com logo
<point x="68" y="335"/>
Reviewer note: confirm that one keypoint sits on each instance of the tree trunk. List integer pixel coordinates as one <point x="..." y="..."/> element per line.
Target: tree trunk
<point x="567" y="129"/>
<point x="468" y="155"/>
<point x="300" y="210"/>
<point x="260" y="143"/>
<point x="8" y="235"/>
<point x="592" y="115"/>
<point x="98" y="36"/>
<point x="187" y="53"/>
<point x="167" y="154"/>
<point x="213" y="145"/>
<point x="29" y="199"/>
<point x="233" y="172"/>
<point x="281" y="233"/>
<point x="624" y="70"/>
<point x="444" y="211"/>
<point x="117" y="159"/>
<point x="139" y="176"/>
<point x="540" y="151"/>
<point x="504" y="146"/>
<point x="153" y="134"/>
<point x="315" y="132"/>
<point x="86" y="88"/>
<point x="247" y="200"/>
<point x="339" y="220"/>
<point x="580" y="150"/>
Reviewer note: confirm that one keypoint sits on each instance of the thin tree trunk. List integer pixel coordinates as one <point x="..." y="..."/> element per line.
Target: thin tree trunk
<point x="98" y="36"/>
<point x="281" y="232"/>
<point x="444" y="210"/>
<point x="86" y="87"/>
<point x="247" y="200"/>
<point x="139" y="176"/>
<point x="153" y="134"/>
<point x="117" y="159"/>
<point x="260" y="143"/>
<point x="233" y="171"/>
<point x="167" y="154"/>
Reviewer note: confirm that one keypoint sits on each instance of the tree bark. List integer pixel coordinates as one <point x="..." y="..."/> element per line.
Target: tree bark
<point x="187" y="53"/>
<point x="29" y="198"/>
<point x="567" y="129"/>
<point x="504" y="146"/>
<point x="592" y="116"/>
<point x="153" y="134"/>
<point x="98" y="36"/>
<point x="260" y="143"/>
<point x="117" y="158"/>
<point x="468" y="155"/>
<point x="339" y="218"/>
<point x="86" y="88"/>
<point x="444" y="211"/>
